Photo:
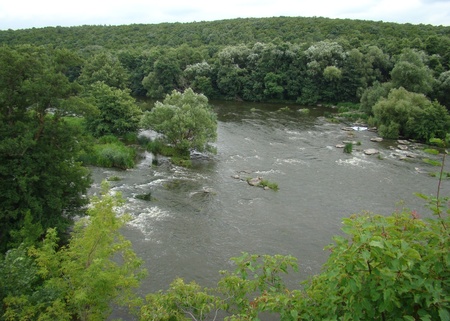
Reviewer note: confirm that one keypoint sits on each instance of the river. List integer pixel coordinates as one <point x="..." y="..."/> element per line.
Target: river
<point x="187" y="232"/>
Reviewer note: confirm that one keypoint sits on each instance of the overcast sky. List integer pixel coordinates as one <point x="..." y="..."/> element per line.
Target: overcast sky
<point x="17" y="14"/>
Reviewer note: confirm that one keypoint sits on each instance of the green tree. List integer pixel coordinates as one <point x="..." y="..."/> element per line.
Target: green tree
<point x="273" y="86"/>
<point x="411" y="72"/>
<point x="80" y="281"/>
<point x="185" y="120"/>
<point x="410" y="115"/>
<point x="373" y="94"/>
<point x="199" y="78"/>
<point x="38" y="148"/>
<point x="323" y="60"/>
<point x="104" y="67"/>
<point x="442" y="89"/>
<point x="117" y="112"/>
<point x="164" y="77"/>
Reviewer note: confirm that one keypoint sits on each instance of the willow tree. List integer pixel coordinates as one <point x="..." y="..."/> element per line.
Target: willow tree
<point x="185" y="120"/>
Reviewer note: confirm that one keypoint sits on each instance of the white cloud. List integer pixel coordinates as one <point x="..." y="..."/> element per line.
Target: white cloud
<point x="31" y="13"/>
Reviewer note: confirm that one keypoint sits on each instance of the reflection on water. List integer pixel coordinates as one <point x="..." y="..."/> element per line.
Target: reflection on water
<point x="200" y="217"/>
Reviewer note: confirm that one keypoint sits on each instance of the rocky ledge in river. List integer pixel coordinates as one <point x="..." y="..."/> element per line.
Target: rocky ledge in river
<point x="371" y="151"/>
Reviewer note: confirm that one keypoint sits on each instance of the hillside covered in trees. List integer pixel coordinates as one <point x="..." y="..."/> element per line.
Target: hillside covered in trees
<point x="307" y="60"/>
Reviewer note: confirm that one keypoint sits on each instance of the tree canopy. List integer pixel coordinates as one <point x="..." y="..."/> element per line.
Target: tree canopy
<point x="38" y="149"/>
<point x="411" y="115"/>
<point x="186" y="121"/>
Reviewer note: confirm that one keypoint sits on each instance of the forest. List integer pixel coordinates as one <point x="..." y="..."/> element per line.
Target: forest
<point x="68" y="99"/>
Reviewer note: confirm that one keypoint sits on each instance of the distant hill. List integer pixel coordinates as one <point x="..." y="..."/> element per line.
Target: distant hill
<point x="228" y="32"/>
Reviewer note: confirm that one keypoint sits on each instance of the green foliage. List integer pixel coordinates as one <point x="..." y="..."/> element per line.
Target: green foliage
<point x="372" y="95"/>
<point x="256" y="286"/>
<point x="438" y="204"/>
<point x="155" y="146"/>
<point x="185" y="120"/>
<point x="411" y="72"/>
<point x="442" y="88"/>
<point x="117" y="112"/>
<point x="348" y="148"/>
<point x="266" y="183"/>
<point x="110" y="153"/>
<point x="81" y="280"/>
<point x="38" y="148"/>
<point x="410" y="115"/>
<point x="104" y="67"/>
<point x="253" y="59"/>
<point x="388" y="268"/>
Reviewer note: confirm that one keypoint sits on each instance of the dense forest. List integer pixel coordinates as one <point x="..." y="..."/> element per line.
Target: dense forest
<point x="308" y="60"/>
<point x="68" y="100"/>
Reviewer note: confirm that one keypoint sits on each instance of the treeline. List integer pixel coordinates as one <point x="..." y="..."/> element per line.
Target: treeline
<point x="297" y="30"/>
<point x="307" y="60"/>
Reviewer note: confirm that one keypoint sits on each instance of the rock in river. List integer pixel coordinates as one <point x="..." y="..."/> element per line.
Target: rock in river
<point x="371" y="151"/>
<point x="254" y="181"/>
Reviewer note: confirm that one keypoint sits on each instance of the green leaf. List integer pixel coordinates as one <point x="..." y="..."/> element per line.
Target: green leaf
<point x="432" y="162"/>
<point x="378" y="244"/>
<point x="294" y="314"/>
<point x="444" y="314"/>
<point x="431" y="151"/>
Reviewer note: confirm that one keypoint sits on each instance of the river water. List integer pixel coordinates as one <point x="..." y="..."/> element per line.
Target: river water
<point x="200" y="217"/>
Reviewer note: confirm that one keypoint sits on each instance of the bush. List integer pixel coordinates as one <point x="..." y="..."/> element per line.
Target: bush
<point x="109" y="139"/>
<point x="348" y="148"/>
<point x="113" y="154"/>
<point x="271" y="185"/>
<point x="410" y="115"/>
<point x="388" y="268"/>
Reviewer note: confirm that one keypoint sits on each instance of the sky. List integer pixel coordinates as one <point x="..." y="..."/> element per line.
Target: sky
<point x="17" y="14"/>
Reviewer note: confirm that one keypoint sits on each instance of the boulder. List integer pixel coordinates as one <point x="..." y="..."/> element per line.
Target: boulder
<point x="340" y="145"/>
<point x="371" y="151"/>
<point x="402" y="147"/>
<point x="254" y="181"/>
<point x="403" y="142"/>
<point x="376" y="139"/>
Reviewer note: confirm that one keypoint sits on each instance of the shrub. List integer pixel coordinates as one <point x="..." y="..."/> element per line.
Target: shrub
<point x="271" y="185"/>
<point x="410" y="115"/>
<point x="114" y="154"/>
<point x="348" y="148"/>
<point x="388" y="268"/>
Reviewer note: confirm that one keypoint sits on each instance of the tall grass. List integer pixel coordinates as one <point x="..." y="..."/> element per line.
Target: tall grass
<point x="110" y="153"/>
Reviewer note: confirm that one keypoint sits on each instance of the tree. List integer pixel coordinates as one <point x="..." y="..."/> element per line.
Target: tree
<point x="443" y="88"/>
<point x="198" y="77"/>
<point x="185" y="120"/>
<point x="104" y="67"/>
<point x="410" y="115"/>
<point x="323" y="60"/>
<point x="38" y="148"/>
<point x="80" y="281"/>
<point x="373" y="94"/>
<point x="117" y="112"/>
<point x="164" y="77"/>
<point x="411" y="72"/>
